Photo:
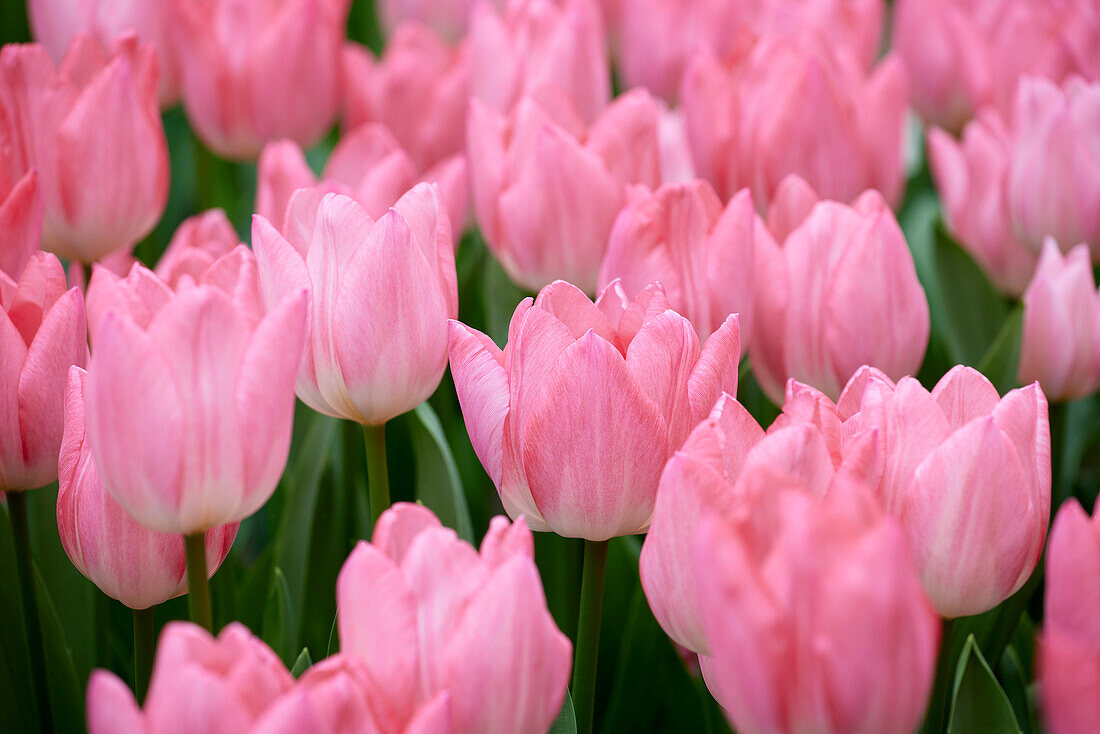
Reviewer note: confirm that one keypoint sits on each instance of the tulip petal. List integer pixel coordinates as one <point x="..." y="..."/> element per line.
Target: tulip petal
<point x="716" y="370"/>
<point x="111" y="706"/>
<point x="477" y="366"/>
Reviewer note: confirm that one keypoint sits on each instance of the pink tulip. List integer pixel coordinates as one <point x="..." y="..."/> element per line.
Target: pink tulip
<point x="968" y="475"/>
<point x="200" y="684"/>
<point x="255" y="72"/>
<point x="426" y="613"/>
<point x="448" y="18"/>
<point x="42" y="333"/>
<point x="701" y="252"/>
<point x="418" y="71"/>
<point x="367" y="165"/>
<point x="92" y="130"/>
<point x="56" y="22"/>
<point x="1060" y="346"/>
<point x="381" y="293"/>
<point x="828" y="588"/>
<point x="538" y="43"/>
<point x="197" y="244"/>
<point x="190" y="395"/>
<point x="962" y="56"/>
<point x="840" y="291"/>
<point x="749" y="127"/>
<point x="20" y="221"/>
<point x="1069" y="647"/>
<point x="575" y="419"/>
<point x="656" y="37"/>
<point x="128" y="562"/>
<point x="546" y="190"/>
<point x="676" y="163"/>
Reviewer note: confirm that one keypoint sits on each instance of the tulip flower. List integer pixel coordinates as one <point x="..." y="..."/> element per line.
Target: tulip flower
<point x="840" y="291"/>
<point x="92" y="130"/>
<point x="418" y="71"/>
<point x="1069" y="646"/>
<point x="200" y="684"/>
<point x="748" y="125"/>
<point x="656" y="37"/>
<point x="56" y="22"/>
<point x="20" y="222"/>
<point x="968" y="475"/>
<point x="252" y="73"/>
<point x="962" y="56"/>
<point x="536" y="43"/>
<point x="1060" y="344"/>
<point x="825" y="582"/>
<point x="196" y="245"/>
<point x="426" y="614"/>
<point x="701" y="252"/>
<point x="449" y="18"/>
<point x="546" y="190"/>
<point x="367" y="165"/>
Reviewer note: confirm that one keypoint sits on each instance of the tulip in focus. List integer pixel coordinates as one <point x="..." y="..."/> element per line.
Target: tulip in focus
<point x="92" y="129"/>
<point x="381" y="290"/>
<point x="128" y="562"/>
<point x="253" y="72"/>
<point x="701" y="252"/>
<point x="42" y="333"/>
<point x="780" y="107"/>
<point x="546" y="189"/>
<point x="449" y="18"/>
<point x="426" y="613"/>
<point x="575" y="419"/>
<point x="20" y="221"/>
<point x="836" y="289"/>
<point x="1060" y="345"/>
<point x="1069" y="645"/>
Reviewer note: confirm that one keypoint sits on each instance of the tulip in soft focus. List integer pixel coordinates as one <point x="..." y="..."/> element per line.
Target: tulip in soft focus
<point x="56" y="22"/>
<point x="417" y="72"/>
<point x="128" y="562"/>
<point x="367" y="165"/>
<point x="676" y="163"/>
<point x="683" y="238"/>
<point x="42" y="333"/>
<point x="836" y="289"/>
<point x="1069" y="646"/>
<point x="546" y="189"/>
<point x="780" y="108"/>
<point x="20" y="221"/>
<point x="968" y="475"/>
<point x="1060" y="346"/>
<point x="195" y="246"/>
<point x="190" y="394"/>
<point x="827" y="588"/>
<point x="92" y="129"/>
<point x="200" y="684"/>
<point x="449" y="18"/>
<point x="962" y="56"/>
<point x="252" y="72"/>
<point x="535" y="43"/>
<point x="381" y="293"/>
<point x="656" y="37"/>
<point x="426" y="613"/>
<point x="575" y="419"/>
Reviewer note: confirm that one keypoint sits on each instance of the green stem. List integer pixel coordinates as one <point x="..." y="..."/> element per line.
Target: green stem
<point x="935" y="721"/>
<point x="145" y="642"/>
<point x="198" y="585"/>
<point x="588" y="633"/>
<point x="17" y="507"/>
<point x="378" y="478"/>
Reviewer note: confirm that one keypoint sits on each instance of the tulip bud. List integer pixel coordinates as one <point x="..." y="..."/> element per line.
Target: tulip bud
<point x="546" y="190"/>
<point x="20" y="222"/>
<point x="381" y="293"/>
<point x="127" y="561"/>
<point x="255" y="73"/>
<point x="92" y="130"/>
<point x="840" y="291"/>
<point x="575" y="419"/>
<point x="1060" y="344"/>
<point x="42" y="333"/>
<point x="427" y="614"/>
<point x="682" y="237"/>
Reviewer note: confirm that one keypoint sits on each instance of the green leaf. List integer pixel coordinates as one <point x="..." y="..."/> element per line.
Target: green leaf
<point x="1010" y="671"/>
<point x="1001" y="361"/>
<point x="66" y="692"/>
<point x="279" y="628"/>
<point x="333" y="639"/>
<point x="302" y="663"/>
<point x="17" y="713"/>
<point x="980" y="705"/>
<point x="566" y="723"/>
<point x="438" y="485"/>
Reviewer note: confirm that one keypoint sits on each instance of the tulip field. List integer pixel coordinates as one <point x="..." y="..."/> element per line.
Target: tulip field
<point x="549" y="366"/>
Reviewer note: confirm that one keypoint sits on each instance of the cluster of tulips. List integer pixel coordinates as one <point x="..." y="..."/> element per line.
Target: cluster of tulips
<point x="746" y="354"/>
